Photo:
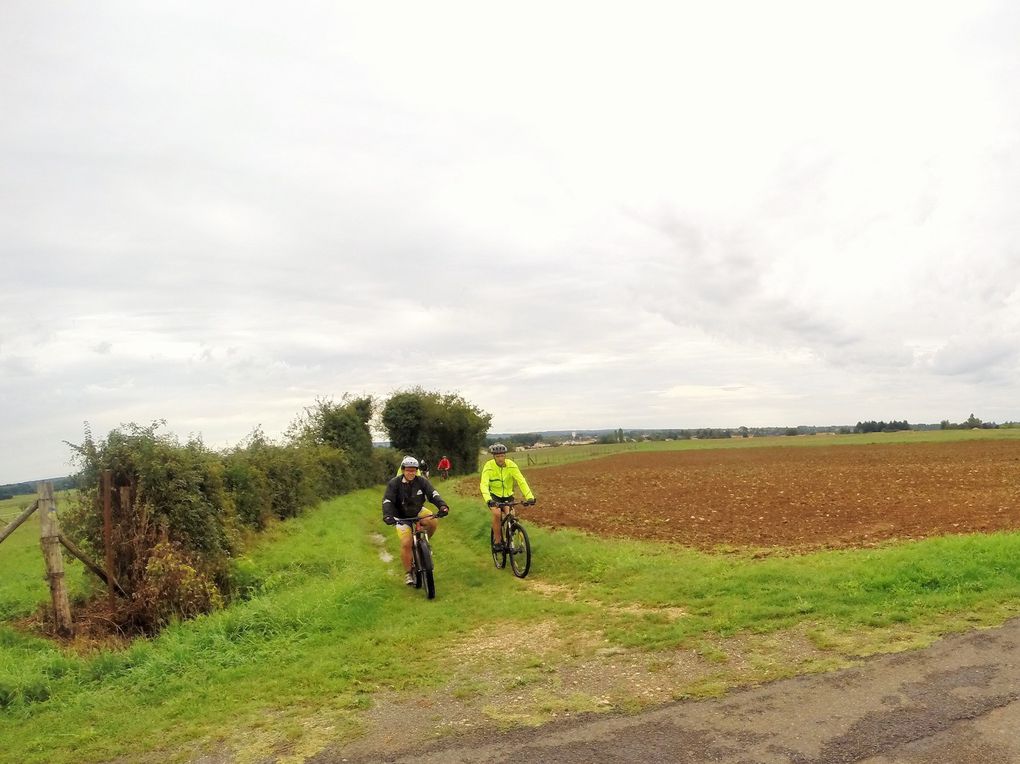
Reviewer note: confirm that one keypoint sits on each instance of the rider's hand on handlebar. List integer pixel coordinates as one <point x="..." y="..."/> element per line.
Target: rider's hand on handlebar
<point x="390" y="520"/>
<point x="493" y="502"/>
<point x="530" y="502"/>
<point x="443" y="511"/>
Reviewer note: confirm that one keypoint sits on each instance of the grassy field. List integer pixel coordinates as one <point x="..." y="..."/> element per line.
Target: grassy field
<point x="330" y="636"/>
<point x="22" y="572"/>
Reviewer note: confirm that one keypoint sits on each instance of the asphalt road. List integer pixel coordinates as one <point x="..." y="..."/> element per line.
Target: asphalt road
<point x="957" y="702"/>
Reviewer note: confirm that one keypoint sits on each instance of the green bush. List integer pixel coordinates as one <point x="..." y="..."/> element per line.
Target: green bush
<point x="385" y="462"/>
<point x="176" y="585"/>
<point x="179" y="509"/>
<point x="340" y="428"/>
<point x="166" y="496"/>
<point x="429" y="424"/>
<point x="249" y="486"/>
<point x="246" y="579"/>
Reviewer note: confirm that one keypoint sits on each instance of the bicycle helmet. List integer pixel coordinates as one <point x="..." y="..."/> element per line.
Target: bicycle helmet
<point x="497" y="448"/>
<point x="409" y="461"/>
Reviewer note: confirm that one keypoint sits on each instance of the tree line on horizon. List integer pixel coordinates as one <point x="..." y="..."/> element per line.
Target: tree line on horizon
<point x="410" y="408"/>
<point x="620" y="435"/>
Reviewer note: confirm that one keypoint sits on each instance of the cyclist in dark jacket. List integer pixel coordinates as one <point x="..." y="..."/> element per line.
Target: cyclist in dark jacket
<point x="405" y="497"/>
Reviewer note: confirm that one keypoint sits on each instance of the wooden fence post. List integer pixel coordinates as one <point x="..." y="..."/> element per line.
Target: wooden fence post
<point x="49" y="538"/>
<point x="111" y="582"/>
<point x="107" y="490"/>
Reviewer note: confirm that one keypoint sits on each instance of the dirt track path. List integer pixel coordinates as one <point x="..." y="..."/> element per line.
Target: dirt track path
<point x="957" y="702"/>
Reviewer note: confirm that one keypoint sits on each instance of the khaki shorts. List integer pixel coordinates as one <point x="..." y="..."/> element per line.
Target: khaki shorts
<point x="403" y="530"/>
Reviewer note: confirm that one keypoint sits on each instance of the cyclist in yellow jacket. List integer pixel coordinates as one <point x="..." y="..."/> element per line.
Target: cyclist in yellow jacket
<point x="499" y="475"/>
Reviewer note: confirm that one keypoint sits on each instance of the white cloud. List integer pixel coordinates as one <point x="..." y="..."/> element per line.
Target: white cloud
<point x="578" y="215"/>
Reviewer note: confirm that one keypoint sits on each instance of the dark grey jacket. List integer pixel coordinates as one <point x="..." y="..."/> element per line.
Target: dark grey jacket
<point x="406" y="499"/>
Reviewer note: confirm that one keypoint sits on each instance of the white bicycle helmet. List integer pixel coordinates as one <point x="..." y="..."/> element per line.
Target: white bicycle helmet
<point x="409" y="461"/>
<point x="497" y="448"/>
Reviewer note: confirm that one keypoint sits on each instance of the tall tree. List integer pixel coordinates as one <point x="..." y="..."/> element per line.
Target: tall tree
<point x="429" y="424"/>
<point x="344" y="426"/>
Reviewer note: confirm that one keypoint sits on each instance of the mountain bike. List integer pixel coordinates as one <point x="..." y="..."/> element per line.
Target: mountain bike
<point x="443" y="474"/>
<point x="421" y="555"/>
<point x="515" y="541"/>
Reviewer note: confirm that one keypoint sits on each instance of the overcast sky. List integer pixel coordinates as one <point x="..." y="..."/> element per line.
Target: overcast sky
<point x="576" y="214"/>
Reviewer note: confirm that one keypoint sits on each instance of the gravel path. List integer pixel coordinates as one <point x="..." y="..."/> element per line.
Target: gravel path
<point x="957" y="702"/>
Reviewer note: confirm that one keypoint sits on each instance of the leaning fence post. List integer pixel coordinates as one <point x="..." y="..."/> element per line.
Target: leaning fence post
<point x="13" y="526"/>
<point x="49" y="538"/>
<point x="107" y="490"/>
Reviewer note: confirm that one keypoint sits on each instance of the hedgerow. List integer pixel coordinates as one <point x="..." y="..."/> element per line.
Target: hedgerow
<point x="181" y="510"/>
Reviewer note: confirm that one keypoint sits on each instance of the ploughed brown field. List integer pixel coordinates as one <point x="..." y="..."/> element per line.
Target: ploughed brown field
<point x="801" y="498"/>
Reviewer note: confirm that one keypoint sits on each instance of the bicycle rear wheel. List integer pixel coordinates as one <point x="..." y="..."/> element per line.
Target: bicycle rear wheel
<point x="520" y="550"/>
<point x="427" y="577"/>
<point x="498" y="558"/>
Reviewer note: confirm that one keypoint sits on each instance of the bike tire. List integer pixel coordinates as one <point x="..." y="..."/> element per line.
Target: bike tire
<point x="520" y="550"/>
<point x="427" y="576"/>
<point x="498" y="558"/>
<point x="416" y="565"/>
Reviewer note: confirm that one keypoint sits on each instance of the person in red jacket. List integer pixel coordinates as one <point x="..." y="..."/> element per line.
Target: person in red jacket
<point x="444" y="468"/>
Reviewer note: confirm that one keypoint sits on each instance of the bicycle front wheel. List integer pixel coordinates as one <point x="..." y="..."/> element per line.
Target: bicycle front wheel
<point x="498" y="558"/>
<point x="520" y="550"/>
<point x="427" y="577"/>
<point x="416" y="566"/>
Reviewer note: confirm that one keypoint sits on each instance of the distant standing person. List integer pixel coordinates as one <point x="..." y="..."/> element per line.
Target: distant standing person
<point x="405" y="497"/>
<point x="499" y="475"/>
<point x="444" y="468"/>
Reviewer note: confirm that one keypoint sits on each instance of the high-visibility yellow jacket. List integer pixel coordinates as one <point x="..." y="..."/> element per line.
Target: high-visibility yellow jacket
<point x="499" y="481"/>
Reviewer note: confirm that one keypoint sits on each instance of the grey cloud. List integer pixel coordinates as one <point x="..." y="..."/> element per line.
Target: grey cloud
<point x="976" y="356"/>
<point x="710" y="279"/>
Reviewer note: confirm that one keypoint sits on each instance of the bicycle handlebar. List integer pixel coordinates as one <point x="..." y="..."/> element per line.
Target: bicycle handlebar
<point x="413" y="520"/>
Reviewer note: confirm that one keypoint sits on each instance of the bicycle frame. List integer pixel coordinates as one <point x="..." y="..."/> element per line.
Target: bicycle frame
<point x="421" y="554"/>
<point x="516" y="545"/>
